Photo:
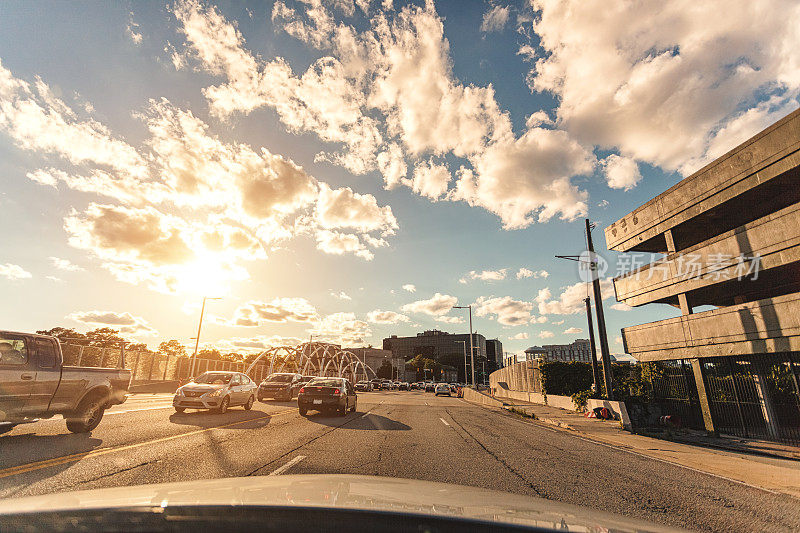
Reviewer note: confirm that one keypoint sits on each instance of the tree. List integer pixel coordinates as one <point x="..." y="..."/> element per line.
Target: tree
<point x="209" y="353"/>
<point x="65" y="335"/>
<point x="106" y="337"/>
<point x="172" y="347"/>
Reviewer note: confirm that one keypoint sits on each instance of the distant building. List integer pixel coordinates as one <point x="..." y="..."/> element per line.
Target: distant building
<point x="576" y="351"/>
<point x="494" y="352"/>
<point x="434" y="344"/>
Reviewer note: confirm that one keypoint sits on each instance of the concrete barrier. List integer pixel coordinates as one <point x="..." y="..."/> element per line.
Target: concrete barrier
<point x="154" y="386"/>
<point x="473" y="396"/>
<point x="617" y="408"/>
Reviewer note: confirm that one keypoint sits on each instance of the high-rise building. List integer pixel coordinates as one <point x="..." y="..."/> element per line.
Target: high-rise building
<point x="494" y="352"/>
<point x="576" y="351"/>
<point x="434" y="344"/>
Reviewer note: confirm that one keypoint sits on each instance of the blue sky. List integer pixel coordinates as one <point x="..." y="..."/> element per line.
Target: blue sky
<point x="155" y="153"/>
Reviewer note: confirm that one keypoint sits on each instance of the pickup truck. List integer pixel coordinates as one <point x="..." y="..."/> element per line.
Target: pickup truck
<point x="35" y="384"/>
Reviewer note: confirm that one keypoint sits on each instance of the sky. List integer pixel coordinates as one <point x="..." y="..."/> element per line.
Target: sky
<point x="354" y="169"/>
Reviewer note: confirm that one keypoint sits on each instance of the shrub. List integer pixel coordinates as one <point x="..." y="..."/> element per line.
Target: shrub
<point x="565" y="379"/>
<point x="581" y="398"/>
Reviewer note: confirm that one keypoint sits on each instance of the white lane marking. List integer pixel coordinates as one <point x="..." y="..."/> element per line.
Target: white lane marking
<point x="444" y="422"/>
<point x="287" y="466"/>
<point x="426" y="403"/>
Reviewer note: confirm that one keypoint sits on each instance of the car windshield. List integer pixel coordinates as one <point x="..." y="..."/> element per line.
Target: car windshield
<point x="322" y="382"/>
<point x="282" y="378"/>
<point x="214" y="378"/>
<point x="549" y="248"/>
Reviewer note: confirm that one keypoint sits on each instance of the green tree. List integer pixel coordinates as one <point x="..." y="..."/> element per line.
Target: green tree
<point x="65" y="335"/>
<point x="172" y="347"/>
<point x="107" y="337"/>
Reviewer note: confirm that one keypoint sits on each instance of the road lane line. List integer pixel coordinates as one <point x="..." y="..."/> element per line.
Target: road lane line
<point x="444" y="422"/>
<point x="30" y="467"/>
<point x="137" y="410"/>
<point x="287" y="466"/>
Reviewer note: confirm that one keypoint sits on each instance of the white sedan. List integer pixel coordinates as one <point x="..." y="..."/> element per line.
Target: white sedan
<point x="442" y="388"/>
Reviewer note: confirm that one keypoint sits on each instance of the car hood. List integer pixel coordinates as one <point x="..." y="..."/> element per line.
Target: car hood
<point x="340" y="491"/>
<point x="201" y="387"/>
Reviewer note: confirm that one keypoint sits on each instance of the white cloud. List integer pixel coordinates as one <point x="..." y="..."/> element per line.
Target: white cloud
<point x="519" y="336"/>
<point x="570" y="331"/>
<point x="132" y="31"/>
<point x="450" y="319"/>
<point x="342" y="328"/>
<point x="485" y="275"/>
<point x="526" y="273"/>
<point x="509" y="312"/>
<point x="386" y="317"/>
<point x="621" y="172"/>
<point x="343" y="208"/>
<point x="437" y="305"/>
<point x="256" y="313"/>
<point x="55" y="279"/>
<point x="410" y="287"/>
<point x="495" y="19"/>
<point x="385" y="93"/>
<point x="11" y="271"/>
<point x="341" y="295"/>
<point x="571" y="300"/>
<point x="662" y="81"/>
<point x="256" y="343"/>
<point x="125" y="323"/>
<point x="546" y="334"/>
<point x="64" y="264"/>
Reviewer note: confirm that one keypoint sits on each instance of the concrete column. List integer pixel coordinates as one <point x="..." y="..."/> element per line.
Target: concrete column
<point x="699" y="379"/>
<point x="767" y="407"/>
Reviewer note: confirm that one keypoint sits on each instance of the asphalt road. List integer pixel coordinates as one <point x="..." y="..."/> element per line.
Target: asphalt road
<point x="397" y="434"/>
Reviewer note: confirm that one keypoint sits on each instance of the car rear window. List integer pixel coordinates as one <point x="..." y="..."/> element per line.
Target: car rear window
<point x="322" y="382"/>
<point x="281" y="378"/>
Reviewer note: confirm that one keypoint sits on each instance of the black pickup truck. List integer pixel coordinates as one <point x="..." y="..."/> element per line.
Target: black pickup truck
<point x="35" y="384"/>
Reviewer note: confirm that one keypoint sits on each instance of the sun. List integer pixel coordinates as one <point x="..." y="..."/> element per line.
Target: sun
<point x="208" y="275"/>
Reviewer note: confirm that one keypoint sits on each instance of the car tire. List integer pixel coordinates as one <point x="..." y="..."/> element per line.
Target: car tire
<point x="355" y="404"/>
<point x="303" y="411"/>
<point x="249" y="404"/>
<point x="342" y="411"/>
<point x="87" y="416"/>
<point x="180" y="409"/>
<point x="223" y="406"/>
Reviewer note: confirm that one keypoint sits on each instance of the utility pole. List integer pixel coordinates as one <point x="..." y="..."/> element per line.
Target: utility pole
<point x="471" y="347"/>
<point x="592" y="347"/>
<point x="601" y="319"/>
<point x="197" y="340"/>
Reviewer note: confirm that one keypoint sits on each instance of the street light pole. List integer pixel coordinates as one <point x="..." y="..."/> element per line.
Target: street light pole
<point x="471" y="347"/>
<point x="197" y="340"/>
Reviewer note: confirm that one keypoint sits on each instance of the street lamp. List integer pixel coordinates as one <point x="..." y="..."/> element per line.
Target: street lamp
<point x="464" y="345"/>
<point x="197" y="340"/>
<point x="471" y="348"/>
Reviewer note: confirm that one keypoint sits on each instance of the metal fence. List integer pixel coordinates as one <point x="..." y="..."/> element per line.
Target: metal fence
<point x="755" y="396"/>
<point x="674" y="391"/>
<point x="150" y="366"/>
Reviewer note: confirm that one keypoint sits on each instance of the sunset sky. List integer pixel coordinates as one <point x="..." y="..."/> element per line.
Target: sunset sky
<point x="354" y="169"/>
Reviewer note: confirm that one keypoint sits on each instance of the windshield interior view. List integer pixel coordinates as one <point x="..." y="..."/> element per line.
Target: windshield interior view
<point x="400" y="265"/>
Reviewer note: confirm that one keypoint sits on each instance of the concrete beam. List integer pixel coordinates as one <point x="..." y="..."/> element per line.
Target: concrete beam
<point x="759" y="159"/>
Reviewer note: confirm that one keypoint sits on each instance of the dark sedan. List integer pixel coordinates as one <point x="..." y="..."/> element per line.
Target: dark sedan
<point x="327" y="395"/>
<point x="279" y="386"/>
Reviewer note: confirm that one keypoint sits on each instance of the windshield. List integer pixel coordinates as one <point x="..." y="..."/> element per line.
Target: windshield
<point x="213" y="378"/>
<point x="281" y="378"/>
<point x="549" y="248"/>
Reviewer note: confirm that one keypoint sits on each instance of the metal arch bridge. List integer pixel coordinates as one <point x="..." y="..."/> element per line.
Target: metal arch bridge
<point x="315" y="358"/>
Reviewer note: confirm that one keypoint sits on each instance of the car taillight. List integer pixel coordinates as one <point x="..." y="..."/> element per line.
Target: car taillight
<point x="337" y="391"/>
<point x="302" y="389"/>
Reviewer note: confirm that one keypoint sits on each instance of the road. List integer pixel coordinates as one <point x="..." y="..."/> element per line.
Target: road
<point x="399" y="434"/>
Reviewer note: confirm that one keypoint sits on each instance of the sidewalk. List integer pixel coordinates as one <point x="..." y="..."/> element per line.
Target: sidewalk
<point x="768" y="472"/>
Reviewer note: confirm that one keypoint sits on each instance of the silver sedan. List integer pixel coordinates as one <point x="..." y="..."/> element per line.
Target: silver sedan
<point x="216" y="391"/>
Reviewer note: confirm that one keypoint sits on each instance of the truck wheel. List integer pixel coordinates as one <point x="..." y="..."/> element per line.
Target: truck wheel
<point x="223" y="407"/>
<point x="249" y="404"/>
<point x="180" y="409"/>
<point x="87" y="417"/>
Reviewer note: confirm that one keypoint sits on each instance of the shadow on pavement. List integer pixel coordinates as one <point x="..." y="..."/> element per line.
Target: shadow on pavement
<point x="241" y="419"/>
<point x="366" y="422"/>
<point x="292" y="403"/>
